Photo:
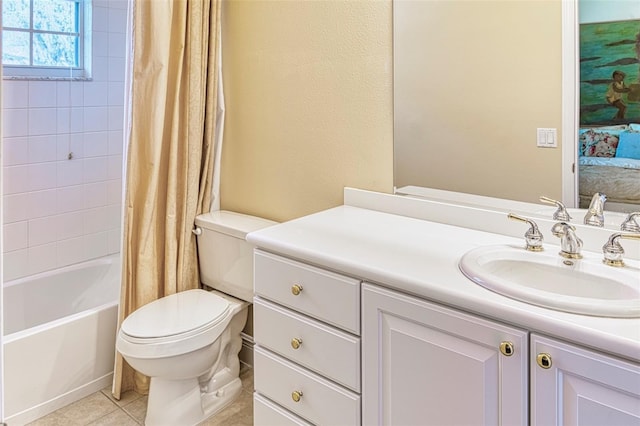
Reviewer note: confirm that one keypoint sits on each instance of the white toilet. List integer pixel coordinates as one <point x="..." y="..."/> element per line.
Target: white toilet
<point x="188" y="342"/>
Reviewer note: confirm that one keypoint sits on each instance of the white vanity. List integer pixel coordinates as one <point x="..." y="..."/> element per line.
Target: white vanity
<point x="362" y="316"/>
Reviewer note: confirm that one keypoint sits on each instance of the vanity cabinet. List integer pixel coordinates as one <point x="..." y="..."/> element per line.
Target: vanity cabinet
<point x="427" y="364"/>
<point x="307" y="353"/>
<point x="575" y="386"/>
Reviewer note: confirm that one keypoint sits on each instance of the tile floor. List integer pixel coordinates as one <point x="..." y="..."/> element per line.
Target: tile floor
<point x="100" y="409"/>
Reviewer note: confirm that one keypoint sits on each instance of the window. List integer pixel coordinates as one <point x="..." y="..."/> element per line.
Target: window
<point x="44" y="38"/>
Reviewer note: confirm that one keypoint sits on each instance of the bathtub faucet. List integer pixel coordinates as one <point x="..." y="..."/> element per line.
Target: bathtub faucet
<point x="595" y="214"/>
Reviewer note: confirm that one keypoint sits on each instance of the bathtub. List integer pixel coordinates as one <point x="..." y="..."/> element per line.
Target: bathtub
<point x="59" y="337"/>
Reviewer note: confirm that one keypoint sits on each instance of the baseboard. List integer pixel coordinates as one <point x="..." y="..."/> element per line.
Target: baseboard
<point x="41" y="410"/>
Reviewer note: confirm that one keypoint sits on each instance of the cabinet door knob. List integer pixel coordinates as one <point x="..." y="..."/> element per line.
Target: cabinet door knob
<point x="296" y="396"/>
<point x="295" y="343"/>
<point x="507" y="348"/>
<point x="296" y="289"/>
<point x="544" y="360"/>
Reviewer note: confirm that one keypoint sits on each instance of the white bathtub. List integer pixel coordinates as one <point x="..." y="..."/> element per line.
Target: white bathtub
<point x="59" y="337"/>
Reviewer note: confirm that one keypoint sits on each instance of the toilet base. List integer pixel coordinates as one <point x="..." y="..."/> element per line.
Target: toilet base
<point x="180" y="402"/>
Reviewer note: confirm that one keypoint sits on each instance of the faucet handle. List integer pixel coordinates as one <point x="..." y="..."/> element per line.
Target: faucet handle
<point x="630" y="224"/>
<point x="613" y="251"/>
<point x="533" y="236"/>
<point x="561" y="214"/>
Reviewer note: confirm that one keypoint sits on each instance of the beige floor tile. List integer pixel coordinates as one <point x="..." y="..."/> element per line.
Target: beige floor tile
<point x="125" y="398"/>
<point x="117" y="418"/>
<point x="137" y="409"/>
<point x="88" y="409"/>
<point x="239" y="413"/>
<point x="54" y="419"/>
<point x="247" y="379"/>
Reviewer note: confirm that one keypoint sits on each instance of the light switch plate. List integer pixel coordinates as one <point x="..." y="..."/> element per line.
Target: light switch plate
<point x="547" y="138"/>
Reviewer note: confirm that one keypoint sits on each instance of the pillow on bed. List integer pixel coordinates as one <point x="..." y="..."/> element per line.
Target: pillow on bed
<point x="629" y="145"/>
<point x="635" y="126"/>
<point x="596" y="143"/>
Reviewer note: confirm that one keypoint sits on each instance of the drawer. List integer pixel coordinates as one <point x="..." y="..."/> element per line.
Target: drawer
<point x="321" y="402"/>
<point x="319" y="347"/>
<point x="324" y="295"/>
<point x="266" y="413"/>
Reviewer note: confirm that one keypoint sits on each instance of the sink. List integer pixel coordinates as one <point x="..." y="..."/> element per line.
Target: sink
<point x="585" y="286"/>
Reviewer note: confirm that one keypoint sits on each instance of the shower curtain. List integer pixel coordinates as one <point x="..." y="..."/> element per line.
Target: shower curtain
<point x="173" y="79"/>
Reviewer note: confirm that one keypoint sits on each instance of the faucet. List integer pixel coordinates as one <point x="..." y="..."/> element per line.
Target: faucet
<point x="595" y="214"/>
<point x="613" y="251"/>
<point x="561" y="214"/>
<point x="533" y="236"/>
<point x="630" y="224"/>
<point x="570" y="244"/>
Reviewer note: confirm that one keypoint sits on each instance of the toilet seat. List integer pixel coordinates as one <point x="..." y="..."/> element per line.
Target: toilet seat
<point x="174" y="324"/>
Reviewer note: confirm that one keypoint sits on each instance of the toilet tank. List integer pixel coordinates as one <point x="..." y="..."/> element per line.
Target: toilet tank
<point x="224" y="255"/>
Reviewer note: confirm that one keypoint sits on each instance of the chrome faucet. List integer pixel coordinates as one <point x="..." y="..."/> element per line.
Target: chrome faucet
<point x="630" y="224"/>
<point x="613" y="251"/>
<point x="561" y="214"/>
<point x="595" y="214"/>
<point x="570" y="244"/>
<point x="533" y="236"/>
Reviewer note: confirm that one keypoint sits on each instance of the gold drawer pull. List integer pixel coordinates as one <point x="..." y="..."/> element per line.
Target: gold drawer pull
<point x="296" y="396"/>
<point x="507" y="348"/>
<point x="295" y="343"/>
<point x="544" y="360"/>
<point x="296" y="289"/>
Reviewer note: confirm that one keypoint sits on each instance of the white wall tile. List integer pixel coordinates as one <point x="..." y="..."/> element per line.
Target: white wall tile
<point x="96" y="220"/>
<point x="70" y="172"/>
<point x="114" y="240"/>
<point x="114" y="191"/>
<point x="116" y="117"/>
<point x="114" y="170"/>
<point x="116" y="142"/>
<point x="116" y="94"/>
<point x="42" y="231"/>
<point x="70" y="251"/>
<point x="70" y="225"/>
<point x="43" y="148"/>
<point x="15" y="265"/>
<point x="63" y="118"/>
<point x="77" y="120"/>
<point x="100" y="69"/>
<point x="95" y="169"/>
<point x="117" y="20"/>
<point x="119" y="4"/>
<point x="76" y="145"/>
<point x="15" y="236"/>
<point x="42" y="94"/>
<point x="15" y="122"/>
<point x="96" y="245"/>
<point x="15" y="151"/>
<point x="100" y="18"/>
<point x="116" y="69"/>
<point x="77" y="93"/>
<point x="95" y="93"/>
<point x="15" y="179"/>
<point x="15" y="94"/>
<point x="42" y="203"/>
<point x="100" y="43"/>
<point x="15" y="207"/>
<point x="63" y="94"/>
<point x="42" y="176"/>
<point x="95" y="194"/>
<point x="62" y="146"/>
<point x="43" y="121"/>
<point x="114" y="213"/>
<point x="71" y="198"/>
<point x="96" y="144"/>
<point x="96" y="119"/>
<point x="116" y="45"/>
<point x="42" y="258"/>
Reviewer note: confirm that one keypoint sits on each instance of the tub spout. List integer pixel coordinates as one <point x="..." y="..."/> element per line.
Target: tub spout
<point x="595" y="214"/>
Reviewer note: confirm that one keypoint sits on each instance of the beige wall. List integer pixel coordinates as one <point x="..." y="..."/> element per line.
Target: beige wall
<point x="309" y="98"/>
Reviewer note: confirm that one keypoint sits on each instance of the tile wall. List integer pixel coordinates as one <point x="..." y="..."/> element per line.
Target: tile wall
<point x="62" y="158"/>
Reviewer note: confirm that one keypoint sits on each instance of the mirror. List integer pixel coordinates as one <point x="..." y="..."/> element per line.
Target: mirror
<point x="473" y="83"/>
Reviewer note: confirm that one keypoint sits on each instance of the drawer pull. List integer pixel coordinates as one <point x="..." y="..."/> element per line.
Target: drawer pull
<point x="544" y="360"/>
<point x="296" y="396"/>
<point x="296" y="289"/>
<point x="295" y="343"/>
<point x="507" y="348"/>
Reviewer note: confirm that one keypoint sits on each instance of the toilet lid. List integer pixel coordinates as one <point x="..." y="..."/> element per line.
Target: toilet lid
<point x="178" y="313"/>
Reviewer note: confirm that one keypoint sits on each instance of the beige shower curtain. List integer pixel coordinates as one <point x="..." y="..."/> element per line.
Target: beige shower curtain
<point x="169" y="167"/>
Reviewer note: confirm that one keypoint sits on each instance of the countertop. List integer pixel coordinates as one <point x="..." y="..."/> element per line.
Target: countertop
<point x="420" y="257"/>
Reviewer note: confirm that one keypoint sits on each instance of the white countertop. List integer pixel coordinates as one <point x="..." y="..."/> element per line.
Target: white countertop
<point x="420" y="257"/>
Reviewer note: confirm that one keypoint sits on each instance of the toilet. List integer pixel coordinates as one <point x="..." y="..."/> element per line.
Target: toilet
<point x="188" y="342"/>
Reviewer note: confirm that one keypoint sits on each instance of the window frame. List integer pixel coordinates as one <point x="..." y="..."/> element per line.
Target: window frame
<point x="83" y="52"/>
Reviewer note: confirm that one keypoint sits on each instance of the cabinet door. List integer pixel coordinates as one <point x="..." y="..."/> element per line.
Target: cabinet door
<point x="424" y="364"/>
<point x="575" y="386"/>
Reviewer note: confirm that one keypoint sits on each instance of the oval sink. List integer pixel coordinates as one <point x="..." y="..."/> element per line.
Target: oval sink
<point x="585" y="286"/>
